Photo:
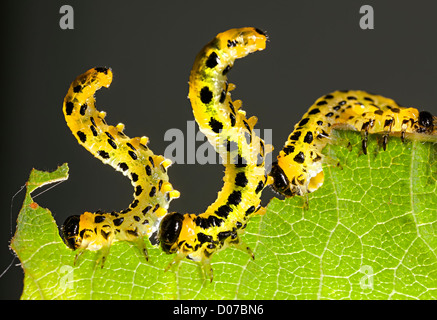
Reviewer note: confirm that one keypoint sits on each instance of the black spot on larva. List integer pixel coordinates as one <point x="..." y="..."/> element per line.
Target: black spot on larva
<point x="231" y="106"/>
<point x="250" y="210"/>
<point x="134" y="204"/>
<point x="109" y="135"/>
<point x="233" y="120"/>
<point x="234" y="198"/>
<point x="328" y="96"/>
<point x="151" y="161"/>
<point x="83" y="109"/>
<point x="396" y="110"/>
<point x="288" y="149"/>
<point x="131" y="146"/>
<point x="117" y="222"/>
<point x="105" y="234"/>
<point x="137" y="219"/>
<point x="261" y="144"/>
<point x="205" y="95"/>
<point x="259" y="187"/>
<point x="99" y="219"/>
<point x="211" y="221"/>
<point x="425" y="119"/>
<point x="123" y="166"/>
<point x="368" y="99"/>
<point x="102" y="70"/>
<point x="314" y="111"/>
<point x="127" y="210"/>
<point x="222" y="96"/>
<point x="241" y="162"/>
<point x="379" y="112"/>
<point x="308" y="137"/>
<point x="295" y="136"/>
<point x="260" y="32"/>
<point x="321" y="103"/>
<point x="222" y="236"/>
<point x="323" y="134"/>
<point x="203" y="237"/>
<point x="212" y="60"/>
<point x="317" y="158"/>
<point x="133" y="155"/>
<point x="388" y="122"/>
<point x="226" y="70"/>
<point x="329" y="114"/>
<point x="77" y="88"/>
<point x="69" y="108"/>
<point x="93" y="130"/>
<point x="133" y="232"/>
<point x="336" y="108"/>
<point x="232" y="43"/>
<point x="103" y="154"/>
<point x="352" y="98"/>
<point x="215" y="125"/>
<point x="138" y="190"/>
<point x="342" y="103"/>
<point x="82" y="136"/>
<point x="320" y="123"/>
<point x="299" y="158"/>
<point x="93" y="121"/>
<point x="146" y="209"/>
<point x="152" y="192"/>
<point x="241" y="179"/>
<point x="223" y="211"/>
<point x="148" y="170"/>
<point x="112" y="143"/>
<point x="303" y="122"/>
<point x="134" y="177"/>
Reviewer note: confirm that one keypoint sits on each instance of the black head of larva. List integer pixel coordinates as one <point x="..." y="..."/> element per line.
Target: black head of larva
<point x="280" y="183"/>
<point x="425" y="119"/>
<point x="70" y="230"/>
<point x="171" y="227"/>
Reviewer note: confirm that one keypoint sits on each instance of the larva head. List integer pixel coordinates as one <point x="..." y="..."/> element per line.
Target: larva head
<point x="70" y="232"/>
<point x="177" y="230"/>
<point x="242" y="41"/>
<point x="280" y="182"/>
<point x="426" y="119"/>
<point x="170" y="230"/>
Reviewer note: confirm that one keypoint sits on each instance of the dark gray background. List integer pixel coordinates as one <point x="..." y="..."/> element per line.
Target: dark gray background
<point x="315" y="47"/>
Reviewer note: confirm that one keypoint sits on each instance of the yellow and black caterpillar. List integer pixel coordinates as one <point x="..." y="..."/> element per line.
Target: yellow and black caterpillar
<point x="298" y="169"/>
<point x="132" y="157"/>
<point x="198" y="237"/>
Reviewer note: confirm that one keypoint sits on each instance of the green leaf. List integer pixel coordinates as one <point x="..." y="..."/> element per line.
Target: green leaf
<point x="368" y="233"/>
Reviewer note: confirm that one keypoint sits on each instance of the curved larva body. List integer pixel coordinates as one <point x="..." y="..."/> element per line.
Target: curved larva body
<point x="132" y="157"/>
<point x="243" y="152"/>
<point x="299" y="166"/>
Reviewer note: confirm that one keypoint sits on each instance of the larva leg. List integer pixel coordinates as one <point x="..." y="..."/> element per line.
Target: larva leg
<point x="102" y="254"/>
<point x="244" y="247"/>
<point x="141" y="245"/>
<point x="207" y="269"/>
